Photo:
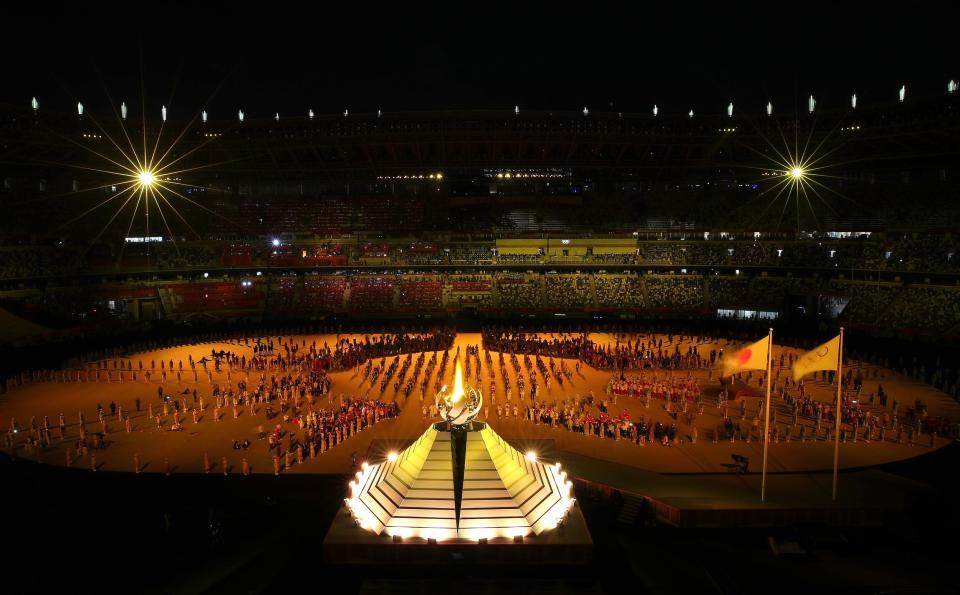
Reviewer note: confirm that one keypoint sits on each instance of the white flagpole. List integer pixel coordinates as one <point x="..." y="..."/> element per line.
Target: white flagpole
<point x="766" y="416"/>
<point x="836" y="438"/>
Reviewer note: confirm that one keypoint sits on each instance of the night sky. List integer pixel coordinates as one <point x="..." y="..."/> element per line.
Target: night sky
<point x="270" y="57"/>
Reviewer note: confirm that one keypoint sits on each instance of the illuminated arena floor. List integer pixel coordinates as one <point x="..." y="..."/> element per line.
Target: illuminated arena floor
<point x="593" y="458"/>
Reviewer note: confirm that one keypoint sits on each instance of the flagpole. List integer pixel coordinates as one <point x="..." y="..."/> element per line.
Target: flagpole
<point x="836" y="439"/>
<point x="766" y="417"/>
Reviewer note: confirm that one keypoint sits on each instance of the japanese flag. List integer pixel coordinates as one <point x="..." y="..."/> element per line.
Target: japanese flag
<point x="751" y="357"/>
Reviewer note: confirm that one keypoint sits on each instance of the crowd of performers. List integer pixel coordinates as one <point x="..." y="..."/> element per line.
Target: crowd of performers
<point x="625" y="353"/>
<point x="795" y="414"/>
<point x="270" y="353"/>
<point x="288" y="378"/>
<point x="323" y="429"/>
<point x="591" y="416"/>
<point x="284" y="378"/>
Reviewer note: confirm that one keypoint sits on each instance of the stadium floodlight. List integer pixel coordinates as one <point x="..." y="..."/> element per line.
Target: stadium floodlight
<point x="240" y="115"/>
<point x="276" y="242"/>
<point x="691" y="113"/>
<point x="769" y="108"/>
<point x="146" y="181"/>
<point x="35" y="104"/>
<point x="853" y="101"/>
<point x="379" y="113"/>
<point x="903" y="93"/>
<point x="516" y="109"/>
<point x="796" y="172"/>
<point x="952" y="86"/>
<point x="310" y="114"/>
<point x="203" y="116"/>
<point x="146" y="178"/>
<point x="276" y="117"/>
<point x="586" y="112"/>
<point x="811" y="104"/>
<point x="346" y="113"/>
<point x="656" y="110"/>
<point x="730" y="110"/>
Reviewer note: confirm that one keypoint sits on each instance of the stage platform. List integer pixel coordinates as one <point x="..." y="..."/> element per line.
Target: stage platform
<point x="568" y="544"/>
<point x="866" y="497"/>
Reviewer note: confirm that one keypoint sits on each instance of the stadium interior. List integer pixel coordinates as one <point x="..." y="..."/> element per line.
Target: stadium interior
<point x="641" y="346"/>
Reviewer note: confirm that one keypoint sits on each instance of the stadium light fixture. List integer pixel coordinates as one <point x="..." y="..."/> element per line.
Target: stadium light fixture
<point x="146" y="178"/>
<point x="240" y="115"/>
<point x="769" y="108"/>
<point x="392" y="456"/>
<point x="531" y="456"/>
<point x="203" y="116"/>
<point x="656" y="110"/>
<point x="811" y="104"/>
<point x="35" y="104"/>
<point x="952" y="86"/>
<point x="147" y="181"/>
<point x="586" y="112"/>
<point x="796" y="172"/>
<point x="853" y="101"/>
<point x="730" y="110"/>
<point x="691" y="113"/>
<point x="903" y="93"/>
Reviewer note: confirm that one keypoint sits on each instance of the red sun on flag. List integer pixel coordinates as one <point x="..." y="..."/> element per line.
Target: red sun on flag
<point x="744" y="356"/>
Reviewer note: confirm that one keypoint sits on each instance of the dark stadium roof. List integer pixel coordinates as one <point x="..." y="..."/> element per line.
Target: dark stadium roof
<point x="273" y="57"/>
<point x="921" y="132"/>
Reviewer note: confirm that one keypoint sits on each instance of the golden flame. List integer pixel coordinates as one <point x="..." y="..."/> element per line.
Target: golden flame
<point x="457" y="385"/>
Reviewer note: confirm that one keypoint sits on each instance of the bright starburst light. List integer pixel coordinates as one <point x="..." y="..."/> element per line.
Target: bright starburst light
<point x="141" y="175"/>
<point x="796" y="175"/>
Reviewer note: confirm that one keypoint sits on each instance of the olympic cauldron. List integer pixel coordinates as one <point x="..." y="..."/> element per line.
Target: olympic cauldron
<point x="459" y="481"/>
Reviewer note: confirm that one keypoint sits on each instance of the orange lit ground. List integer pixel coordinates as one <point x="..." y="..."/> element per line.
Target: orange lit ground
<point x="185" y="449"/>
